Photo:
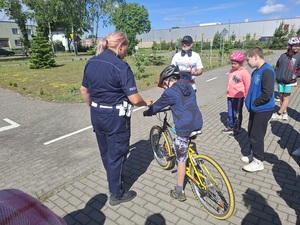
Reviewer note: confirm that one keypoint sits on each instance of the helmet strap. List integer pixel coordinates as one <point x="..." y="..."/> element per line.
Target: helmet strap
<point x="168" y="84"/>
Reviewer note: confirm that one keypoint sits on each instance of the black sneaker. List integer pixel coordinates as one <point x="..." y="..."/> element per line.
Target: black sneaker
<point x="126" y="197"/>
<point x="234" y="134"/>
<point x="227" y="130"/>
<point x="180" y="197"/>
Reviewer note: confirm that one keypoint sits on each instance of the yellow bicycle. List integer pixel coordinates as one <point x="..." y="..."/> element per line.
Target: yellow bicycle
<point x="209" y="182"/>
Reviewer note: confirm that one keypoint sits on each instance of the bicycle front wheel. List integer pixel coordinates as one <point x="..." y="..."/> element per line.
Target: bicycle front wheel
<point x="218" y="197"/>
<point x="161" y="148"/>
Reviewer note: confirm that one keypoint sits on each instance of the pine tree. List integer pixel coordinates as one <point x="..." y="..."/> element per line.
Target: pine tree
<point x="42" y="57"/>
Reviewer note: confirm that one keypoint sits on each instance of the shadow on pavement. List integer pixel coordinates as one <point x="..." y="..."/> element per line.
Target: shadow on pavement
<point x="92" y="210"/>
<point x="259" y="210"/>
<point x="155" y="219"/>
<point x="293" y="114"/>
<point x="137" y="162"/>
<point x="288" y="137"/>
<point x="289" y="182"/>
<point x="242" y="138"/>
<point x="223" y="118"/>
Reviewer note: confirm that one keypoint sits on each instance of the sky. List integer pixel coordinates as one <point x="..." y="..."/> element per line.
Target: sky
<point x="165" y="14"/>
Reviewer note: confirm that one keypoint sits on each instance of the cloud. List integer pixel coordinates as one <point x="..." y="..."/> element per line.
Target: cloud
<point x="297" y="2"/>
<point x="172" y="19"/>
<point x="272" y="7"/>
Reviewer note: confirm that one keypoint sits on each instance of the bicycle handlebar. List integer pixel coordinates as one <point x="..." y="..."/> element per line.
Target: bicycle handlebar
<point x="164" y="110"/>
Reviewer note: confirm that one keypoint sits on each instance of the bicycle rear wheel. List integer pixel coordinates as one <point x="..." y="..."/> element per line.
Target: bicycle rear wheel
<point x="218" y="199"/>
<point x="161" y="147"/>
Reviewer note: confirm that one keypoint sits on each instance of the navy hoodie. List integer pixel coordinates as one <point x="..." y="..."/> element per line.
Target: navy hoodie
<point x="182" y="100"/>
<point x="288" y="68"/>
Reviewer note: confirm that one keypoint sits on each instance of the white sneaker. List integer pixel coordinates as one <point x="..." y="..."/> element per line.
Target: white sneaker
<point x="255" y="165"/>
<point x="275" y="116"/>
<point x="285" y="116"/>
<point x="247" y="159"/>
<point x="296" y="152"/>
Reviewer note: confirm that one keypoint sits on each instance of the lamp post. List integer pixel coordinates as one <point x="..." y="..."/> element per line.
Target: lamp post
<point x="196" y="43"/>
<point x="223" y="34"/>
<point x="160" y="43"/>
<point x="202" y="42"/>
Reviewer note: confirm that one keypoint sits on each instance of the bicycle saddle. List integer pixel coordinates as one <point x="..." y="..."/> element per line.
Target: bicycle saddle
<point x="194" y="134"/>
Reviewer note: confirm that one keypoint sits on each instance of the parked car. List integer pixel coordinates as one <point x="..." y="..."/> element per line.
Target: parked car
<point x="6" y="52"/>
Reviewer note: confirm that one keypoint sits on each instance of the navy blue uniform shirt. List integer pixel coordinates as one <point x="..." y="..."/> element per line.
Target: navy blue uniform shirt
<point x="109" y="79"/>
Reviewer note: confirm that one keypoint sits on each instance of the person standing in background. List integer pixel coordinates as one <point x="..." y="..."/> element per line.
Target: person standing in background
<point x="109" y="89"/>
<point x="260" y="103"/>
<point x="237" y="89"/>
<point x="287" y="70"/>
<point x="188" y="62"/>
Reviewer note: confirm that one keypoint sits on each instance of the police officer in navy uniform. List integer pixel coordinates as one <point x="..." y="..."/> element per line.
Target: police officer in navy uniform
<point x="109" y="88"/>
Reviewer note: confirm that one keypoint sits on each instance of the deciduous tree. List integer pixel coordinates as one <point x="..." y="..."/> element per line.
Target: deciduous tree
<point x="132" y="19"/>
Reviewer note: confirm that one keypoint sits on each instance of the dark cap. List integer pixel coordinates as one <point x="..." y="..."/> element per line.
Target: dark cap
<point x="187" y="40"/>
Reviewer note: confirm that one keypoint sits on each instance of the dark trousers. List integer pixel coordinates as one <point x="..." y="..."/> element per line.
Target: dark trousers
<point x="113" y="134"/>
<point x="257" y="128"/>
<point x="235" y="112"/>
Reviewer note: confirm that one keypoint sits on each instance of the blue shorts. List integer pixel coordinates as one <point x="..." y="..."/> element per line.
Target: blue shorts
<point x="285" y="89"/>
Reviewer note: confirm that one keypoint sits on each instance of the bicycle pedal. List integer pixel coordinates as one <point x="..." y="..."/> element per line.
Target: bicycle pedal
<point x="169" y="158"/>
<point x="220" y="206"/>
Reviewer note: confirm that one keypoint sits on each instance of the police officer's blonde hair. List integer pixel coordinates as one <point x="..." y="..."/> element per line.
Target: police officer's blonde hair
<point x="112" y="41"/>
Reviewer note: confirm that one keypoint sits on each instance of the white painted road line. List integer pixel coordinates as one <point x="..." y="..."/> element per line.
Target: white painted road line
<point x="67" y="135"/>
<point x="11" y="126"/>
<point x="139" y="108"/>
<point x="76" y="132"/>
<point x="211" y="79"/>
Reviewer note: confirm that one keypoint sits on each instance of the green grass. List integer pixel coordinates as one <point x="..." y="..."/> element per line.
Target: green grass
<point x="62" y="83"/>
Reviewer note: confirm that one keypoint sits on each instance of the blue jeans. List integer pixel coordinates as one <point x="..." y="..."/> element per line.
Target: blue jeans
<point x="235" y="112"/>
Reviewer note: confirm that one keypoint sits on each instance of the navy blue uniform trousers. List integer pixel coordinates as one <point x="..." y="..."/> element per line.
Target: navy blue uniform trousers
<point x="113" y="135"/>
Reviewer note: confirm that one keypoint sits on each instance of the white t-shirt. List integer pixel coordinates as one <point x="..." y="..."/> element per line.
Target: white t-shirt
<point x="187" y="64"/>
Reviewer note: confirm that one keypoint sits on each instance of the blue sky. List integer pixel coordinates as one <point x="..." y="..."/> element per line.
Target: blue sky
<point x="166" y="14"/>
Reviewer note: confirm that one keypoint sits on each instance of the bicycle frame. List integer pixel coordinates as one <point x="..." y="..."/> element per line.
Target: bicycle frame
<point x="191" y="152"/>
<point x="209" y="182"/>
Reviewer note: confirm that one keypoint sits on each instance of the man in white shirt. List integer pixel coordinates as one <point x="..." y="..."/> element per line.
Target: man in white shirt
<point x="188" y="61"/>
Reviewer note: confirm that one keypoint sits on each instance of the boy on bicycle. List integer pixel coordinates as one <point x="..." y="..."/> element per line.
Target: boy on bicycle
<point x="187" y="117"/>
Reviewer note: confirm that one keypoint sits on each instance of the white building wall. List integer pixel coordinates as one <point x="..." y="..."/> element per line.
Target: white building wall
<point x="255" y="28"/>
<point x="60" y="36"/>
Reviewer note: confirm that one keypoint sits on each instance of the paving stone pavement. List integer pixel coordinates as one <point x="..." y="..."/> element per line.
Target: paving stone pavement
<point x="68" y="176"/>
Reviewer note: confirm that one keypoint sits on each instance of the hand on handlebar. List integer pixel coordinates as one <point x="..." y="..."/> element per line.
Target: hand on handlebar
<point x="145" y="113"/>
<point x="148" y="102"/>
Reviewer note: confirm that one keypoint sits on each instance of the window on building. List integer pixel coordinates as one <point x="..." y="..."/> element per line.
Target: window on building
<point x="4" y="43"/>
<point x="29" y="32"/>
<point x="15" y="30"/>
<point x="18" y="43"/>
